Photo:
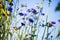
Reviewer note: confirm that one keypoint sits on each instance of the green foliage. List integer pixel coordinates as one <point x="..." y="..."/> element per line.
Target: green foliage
<point x="58" y="7"/>
<point x="58" y="34"/>
<point x="9" y="0"/>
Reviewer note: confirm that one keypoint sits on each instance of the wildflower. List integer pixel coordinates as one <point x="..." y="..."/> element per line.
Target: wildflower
<point x="42" y="14"/>
<point x="53" y="22"/>
<point x="33" y="11"/>
<point x="21" y="14"/>
<point x="23" y="24"/>
<point x="10" y="9"/>
<point x="31" y="20"/>
<point x="59" y="20"/>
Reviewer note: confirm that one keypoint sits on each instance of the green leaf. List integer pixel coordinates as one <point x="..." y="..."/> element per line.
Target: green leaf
<point x="33" y="35"/>
<point x="9" y="0"/>
<point x="48" y="25"/>
<point x="58" y="7"/>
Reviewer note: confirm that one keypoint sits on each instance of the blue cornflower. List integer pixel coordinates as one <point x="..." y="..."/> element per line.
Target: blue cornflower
<point x="59" y="20"/>
<point x="10" y="9"/>
<point x="42" y="14"/>
<point x="21" y="14"/>
<point x="31" y="20"/>
<point x="22" y="24"/>
<point x="53" y="22"/>
<point x="34" y="11"/>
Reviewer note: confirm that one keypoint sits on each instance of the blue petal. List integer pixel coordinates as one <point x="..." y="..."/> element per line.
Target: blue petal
<point x="10" y="9"/>
<point x="21" y="14"/>
<point x="31" y="20"/>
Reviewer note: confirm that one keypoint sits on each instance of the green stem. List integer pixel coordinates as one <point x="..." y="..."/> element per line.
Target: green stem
<point x="0" y="35"/>
<point x="47" y="32"/>
<point x="43" y="33"/>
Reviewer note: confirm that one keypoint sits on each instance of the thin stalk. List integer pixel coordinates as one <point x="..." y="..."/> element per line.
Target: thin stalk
<point x="0" y="35"/>
<point x="47" y="32"/>
<point x="3" y="37"/>
<point x="43" y="33"/>
<point x="51" y="38"/>
<point x="57" y="38"/>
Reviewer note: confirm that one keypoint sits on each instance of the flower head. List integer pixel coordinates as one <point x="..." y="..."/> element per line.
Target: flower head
<point x="59" y="20"/>
<point x="10" y="9"/>
<point x="53" y="22"/>
<point x="21" y="14"/>
<point x="31" y="20"/>
<point x="33" y="11"/>
<point x="42" y="14"/>
<point x="22" y="24"/>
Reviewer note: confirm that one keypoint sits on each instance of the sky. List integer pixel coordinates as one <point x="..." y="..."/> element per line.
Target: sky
<point x="52" y="14"/>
